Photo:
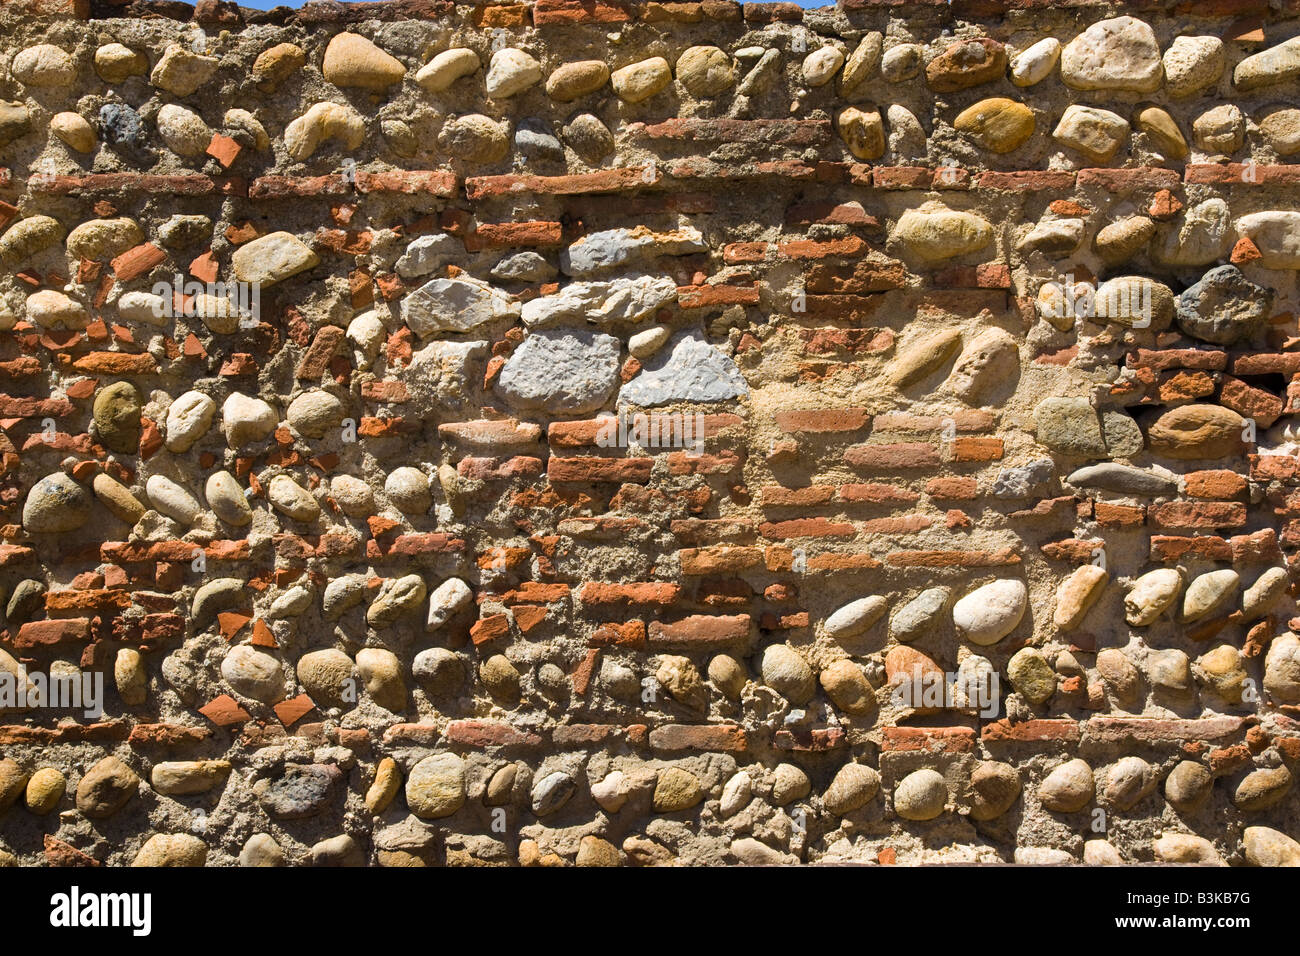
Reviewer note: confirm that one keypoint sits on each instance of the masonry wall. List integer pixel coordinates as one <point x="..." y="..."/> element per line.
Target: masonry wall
<point x="445" y="451"/>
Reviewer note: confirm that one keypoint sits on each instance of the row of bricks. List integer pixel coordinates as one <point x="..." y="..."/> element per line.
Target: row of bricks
<point x="443" y="184"/>
<point x="1205" y="735"/>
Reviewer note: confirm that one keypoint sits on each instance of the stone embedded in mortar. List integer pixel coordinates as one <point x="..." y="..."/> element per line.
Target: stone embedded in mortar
<point x="1036" y="62"/>
<point x="351" y="60"/>
<point x="324" y="122"/>
<point x="1116" y="54"/>
<point x="935" y="232"/>
<point x="1096" y="133"/>
<point x="455" y="305"/>
<point x="641" y="80"/>
<point x="563" y="371"/>
<point x="705" y="71"/>
<point x="1199" y="237"/>
<point x="601" y="251"/>
<point x="1277" y="64"/>
<point x="272" y="258"/>
<point x="1193" y="63"/>
<point x="688" y="370"/>
<point x="474" y="138"/>
<point x="446" y="68"/>
<point x="1122" y="478"/>
<point x="1276" y="234"/>
<point x="998" y="124"/>
<point x="625" y="299"/>
<point x="966" y="63"/>
<point x="1224" y="307"/>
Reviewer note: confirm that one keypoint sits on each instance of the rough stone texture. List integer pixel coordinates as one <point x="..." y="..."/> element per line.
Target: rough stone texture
<point x="661" y="431"/>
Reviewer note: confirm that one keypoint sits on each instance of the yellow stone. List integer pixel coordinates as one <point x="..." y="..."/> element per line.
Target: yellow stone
<point x="998" y="124"/>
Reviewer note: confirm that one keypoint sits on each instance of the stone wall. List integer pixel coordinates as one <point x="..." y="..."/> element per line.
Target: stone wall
<point x="593" y="432"/>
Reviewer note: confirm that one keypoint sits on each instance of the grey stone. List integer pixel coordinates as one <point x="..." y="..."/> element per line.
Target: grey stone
<point x="611" y="248"/>
<point x="1071" y="426"/>
<point x="1020" y="482"/>
<point x="302" y="792"/>
<point x="1224" y="307"/>
<point x="690" y="370"/>
<point x="534" y="139"/>
<point x="121" y="126"/>
<point x="561" y="371"/>
<point x="918" y="615"/>
<point x="1123" y="479"/>
<point x="454" y="305"/>
<point x="552" y="792"/>
<point x="589" y="137"/>
<point x="619" y="300"/>
<point x="24" y="601"/>
<point x="55" y="504"/>
<point x="527" y="266"/>
<point x="428" y="253"/>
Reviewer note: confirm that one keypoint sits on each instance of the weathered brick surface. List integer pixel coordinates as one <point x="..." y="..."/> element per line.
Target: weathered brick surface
<point x="564" y="427"/>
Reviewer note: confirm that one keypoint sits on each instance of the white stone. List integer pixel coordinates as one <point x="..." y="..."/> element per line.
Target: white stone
<point x="143" y="307"/>
<point x="647" y="342"/>
<point x="183" y="131"/>
<point x="353" y="495"/>
<point x="49" y="309"/>
<point x="1116" y="54"/>
<point x="448" y="598"/>
<point x="625" y="299"/>
<point x="855" y="617"/>
<point x="821" y="65"/>
<point x="455" y="305"/>
<point x="512" y="71"/>
<point x="272" y="258"/>
<point x="315" y="412"/>
<point x="1193" y="63"/>
<point x="225" y="496"/>
<point x="407" y="488"/>
<point x="245" y="420"/>
<point x="170" y="499"/>
<point x="1276" y="234"/>
<point x="1151" y="595"/>
<point x="446" y="68"/>
<point x="292" y="499"/>
<point x="253" y="673"/>
<point x="322" y="123"/>
<point x="1036" y="63"/>
<point x="991" y="612"/>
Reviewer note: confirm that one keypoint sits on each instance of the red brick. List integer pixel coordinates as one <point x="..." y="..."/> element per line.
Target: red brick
<point x="591" y="469"/>
<point x="578" y="184"/>
<point x="719" y="559"/>
<point x="50" y="633"/>
<point x="1063" y="731"/>
<point x="1147" y="730"/>
<point x="1199" y="514"/>
<point x="699" y="632"/>
<point x="893" y="457"/>
<point x="953" y="559"/>
<point x="806" y="528"/>
<point x="482" y="734"/>
<point x="823" y="420"/>
<point x="727" y="738"/>
<point x="655" y="593"/>
<point x="937" y="740"/>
